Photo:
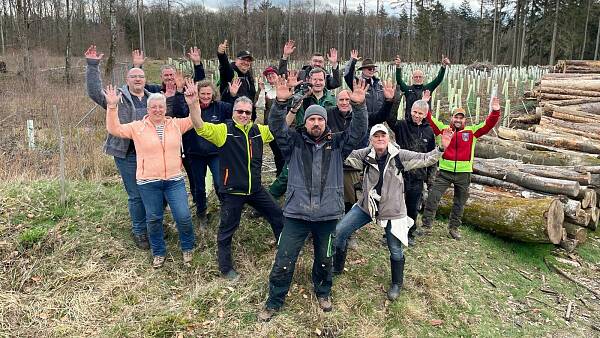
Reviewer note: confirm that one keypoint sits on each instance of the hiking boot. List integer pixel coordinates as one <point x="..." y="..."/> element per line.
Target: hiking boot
<point x="255" y="214"/>
<point x="158" y="261"/>
<point x="411" y="241"/>
<point x="352" y="243"/>
<point x="339" y="260"/>
<point x="325" y="304"/>
<point x="231" y="275"/>
<point x="188" y="256"/>
<point x="141" y="241"/>
<point x="454" y="233"/>
<point x="393" y="292"/>
<point x="266" y="314"/>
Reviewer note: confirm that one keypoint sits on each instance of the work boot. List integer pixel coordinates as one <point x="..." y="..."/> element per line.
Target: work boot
<point x="266" y="314"/>
<point x="397" y="278"/>
<point x="158" y="261"/>
<point x="339" y="261"/>
<point x="141" y="241"/>
<point x="454" y="233"/>
<point x="202" y="220"/>
<point x="231" y="275"/>
<point x="325" y="304"/>
<point x="352" y="243"/>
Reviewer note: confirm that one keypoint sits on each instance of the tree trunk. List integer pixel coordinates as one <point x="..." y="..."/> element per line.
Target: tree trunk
<point x="585" y="29"/>
<point x="516" y="45"/>
<point x="494" y="182"/>
<point x="591" y="129"/>
<point x="536" y="220"/>
<point x="597" y="40"/>
<point x="549" y="140"/>
<point x="555" y="130"/>
<point x="267" y="31"/>
<point x="494" y="34"/>
<point x="140" y="19"/>
<point x="554" y="32"/>
<point x="2" y="32"/>
<point x="569" y="91"/>
<point x="526" y="180"/>
<point x="110" y="62"/>
<point x="22" y="26"/>
<point x="69" y="14"/>
<point x="289" y="19"/>
<point x="577" y="84"/>
<point x="576" y="232"/>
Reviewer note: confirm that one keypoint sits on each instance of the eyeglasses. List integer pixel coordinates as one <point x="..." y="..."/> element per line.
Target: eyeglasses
<point x="371" y="69"/>
<point x="417" y="76"/>
<point x="136" y="76"/>
<point x="241" y="111"/>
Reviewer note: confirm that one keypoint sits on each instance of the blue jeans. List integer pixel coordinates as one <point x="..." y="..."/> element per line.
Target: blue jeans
<point x="198" y="165"/>
<point x="127" y="167"/>
<point x="355" y="219"/>
<point x="174" y="192"/>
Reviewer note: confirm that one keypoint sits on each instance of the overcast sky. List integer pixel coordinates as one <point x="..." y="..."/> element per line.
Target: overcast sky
<point x="352" y="4"/>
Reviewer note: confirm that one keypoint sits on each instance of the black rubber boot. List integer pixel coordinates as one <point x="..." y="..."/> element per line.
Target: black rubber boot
<point x="339" y="261"/>
<point x="397" y="278"/>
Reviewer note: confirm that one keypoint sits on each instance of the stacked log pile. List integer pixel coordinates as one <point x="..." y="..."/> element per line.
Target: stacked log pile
<point x="550" y="167"/>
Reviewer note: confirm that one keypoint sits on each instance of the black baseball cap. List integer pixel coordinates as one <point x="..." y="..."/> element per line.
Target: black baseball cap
<point x="245" y="55"/>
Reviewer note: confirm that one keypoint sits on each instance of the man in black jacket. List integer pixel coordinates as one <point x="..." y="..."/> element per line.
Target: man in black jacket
<point x="317" y="60"/>
<point x="240" y="68"/>
<point x="414" y="133"/>
<point x="314" y="196"/>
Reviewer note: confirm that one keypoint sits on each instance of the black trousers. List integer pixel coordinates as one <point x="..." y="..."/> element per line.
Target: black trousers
<point x="231" y="212"/>
<point x="413" y="191"/>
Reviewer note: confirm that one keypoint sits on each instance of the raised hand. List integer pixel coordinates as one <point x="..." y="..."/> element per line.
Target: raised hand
<point x="92" y="54"/>
<point x="191" y="92"/>
<point x="389" y="90"/>
<point x="292" y="78"/>
<point x="137" y="58"/>
<point x="170" y="89"/>
<point x="222" y="47"/>
<point x="359" y="91"/>
<point x="194" y="55"/>
<point x="354" y="54"/>
<point x="112" y="97"/>
<point x="179" y="79"/>
<point x="446" y="137"/>
<point x="426" y="95"/>
<point x="445" y="60"/>
<point x="332" y="56"/>
<point x="397" y="61"/>
<point x="495" y="104"/>
<point x="283" y="90"/>
<point x="289" y="48"/>
<point x="234" y="86"/>
<point x="261" y="83"/>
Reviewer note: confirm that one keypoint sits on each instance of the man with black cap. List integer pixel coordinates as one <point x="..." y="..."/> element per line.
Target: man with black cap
<point x="456" y="164"/>
<point x="240" y="68"/>
<point x="314" y="199"/>
<point x="317" y="60"/>
<point x="374" y="96"/>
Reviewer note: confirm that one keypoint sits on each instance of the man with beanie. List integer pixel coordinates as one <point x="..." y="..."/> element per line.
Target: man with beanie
<point x="314" y="198"/>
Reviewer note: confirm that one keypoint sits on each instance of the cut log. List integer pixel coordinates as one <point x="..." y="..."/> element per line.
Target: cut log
<point x="575" y="232"/>
<point x="589" y="128"/>
<point x="558" y="172"/>
<point x="569" y="91"/>
<point x="529" y="181"/>
<point x="593" y="214"/>
<point x="594" y="225"/>
<point x="580" y="218"/>
<point x="556" y="130"/>
<point x="587" y="197"/>
<point x="490" y="181"/>
<point x="572" y="208"/>
<point x="575" y="83"/>
<point x="569" y="110"/>
<point x="536" y="220"/>
<point x="548" y="140"/>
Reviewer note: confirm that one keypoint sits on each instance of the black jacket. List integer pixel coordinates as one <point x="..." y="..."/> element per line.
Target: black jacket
<point x="419" y="138"/>
<point x="332" y="81"/>
<point x="227" y="72"/>
<point x="338" y="122"/>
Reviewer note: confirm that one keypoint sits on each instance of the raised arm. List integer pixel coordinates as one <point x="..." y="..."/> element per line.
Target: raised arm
<point x="356" y="159"/>
<point x="113" y="125"/>
<point x="399" y="81"/>
<point x="288" y="49"/>
<point x="350" y="69"/>
<point x="195" y="56"/>
<point x="389" y="90"/>
<point x="334" y="79"/>
<point x="489" y="123"/>
<point x="93" y="81"/>
<point x="277" y="118"/>
<point x="440" y="77"/>
<point x="225" y="69"/>
<point x="355" y="133"/>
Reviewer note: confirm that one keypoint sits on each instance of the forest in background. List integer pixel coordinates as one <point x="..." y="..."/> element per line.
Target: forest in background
<point x="515" y="32"/>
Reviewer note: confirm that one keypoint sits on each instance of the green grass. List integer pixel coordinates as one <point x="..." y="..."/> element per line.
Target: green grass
<point x="72" y="270"/>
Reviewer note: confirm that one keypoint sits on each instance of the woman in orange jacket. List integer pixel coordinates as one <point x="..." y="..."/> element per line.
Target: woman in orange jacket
<point x="157" y="140"/>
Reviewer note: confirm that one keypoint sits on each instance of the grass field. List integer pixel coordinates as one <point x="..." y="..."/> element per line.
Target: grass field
<point x="73" y="271"/>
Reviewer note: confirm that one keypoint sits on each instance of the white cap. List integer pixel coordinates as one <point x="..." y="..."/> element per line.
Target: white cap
<point x="378" y="127"/>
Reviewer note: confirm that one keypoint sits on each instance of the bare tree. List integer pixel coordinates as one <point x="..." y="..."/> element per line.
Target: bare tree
<point x="22" y="26"/>
<point x="69" y="14"/>
<point x="585" y="29"/>
<point x="140" y="19"/>
<point x="597" y="40"/>
<point x="110" y="62"/>
<point x="494" y="32"/>
<point x="554" y="32"/>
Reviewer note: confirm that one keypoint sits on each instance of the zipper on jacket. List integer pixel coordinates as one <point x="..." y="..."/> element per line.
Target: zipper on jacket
<point x="226" y="177"/>
<point x="455" y="151"/>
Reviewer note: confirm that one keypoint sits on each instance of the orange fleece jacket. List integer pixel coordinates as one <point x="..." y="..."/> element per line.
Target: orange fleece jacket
<point x="155" y="159"/>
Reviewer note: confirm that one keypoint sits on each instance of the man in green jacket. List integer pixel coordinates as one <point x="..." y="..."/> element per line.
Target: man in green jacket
<point x="240" y="165"/>
<point x="415" y="91"/>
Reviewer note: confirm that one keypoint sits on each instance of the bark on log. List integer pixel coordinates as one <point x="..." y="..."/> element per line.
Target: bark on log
<point x="569" y="91"/>
<point x="576" y="232"/>
<point x="572" y="208"/>
<point x="588" y="128"/>
<point x="574" y="83"/>
<point x="553" y="96"/>
<point x="558" y="172"/>
<point x="579" y="63"/>
<point x="569" y="110"/>
<point x="587" y="197"/>
<point x="581" y="218"/>
<point x="574" y="101"/>
<point x="490" y="181"/>
<point x="529" y="181"/>
<point x="553" y="130"/>
<point x="594" y="225"/>
<point x="548" y="140"/>
<point x="536" y="220"/>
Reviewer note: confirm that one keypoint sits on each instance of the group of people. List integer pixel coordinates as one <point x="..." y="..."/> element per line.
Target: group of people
<point x="336" y="161"/>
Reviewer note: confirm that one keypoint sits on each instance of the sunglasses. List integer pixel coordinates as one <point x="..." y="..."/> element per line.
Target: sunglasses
<point x="371" y="69"/>
<point x="241" y="111"/>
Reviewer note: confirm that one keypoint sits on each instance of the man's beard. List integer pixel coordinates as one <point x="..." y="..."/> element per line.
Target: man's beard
<point x="315" y="132"/>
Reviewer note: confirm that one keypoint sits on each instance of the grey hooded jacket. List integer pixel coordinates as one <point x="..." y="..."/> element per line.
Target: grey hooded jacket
<point x="392" y="204"/>
<point x="114" y="146"/>
<point x="315" y="190"/>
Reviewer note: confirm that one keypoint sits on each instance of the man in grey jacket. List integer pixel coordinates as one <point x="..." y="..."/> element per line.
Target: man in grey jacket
<point x="314" y="198"/>
<point x="134" y="98"/>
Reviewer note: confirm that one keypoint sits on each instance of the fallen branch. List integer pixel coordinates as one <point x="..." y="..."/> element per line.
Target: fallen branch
<point x="569" y="309"/>
<point x="482" y="276"/>
<point x="568" y="277"/>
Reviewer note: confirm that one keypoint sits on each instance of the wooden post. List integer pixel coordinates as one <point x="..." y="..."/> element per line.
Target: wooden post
<point x="30" y="135"/>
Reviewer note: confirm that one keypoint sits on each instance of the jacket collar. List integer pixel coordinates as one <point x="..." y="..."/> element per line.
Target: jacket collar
<point x="392" y="151"/>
